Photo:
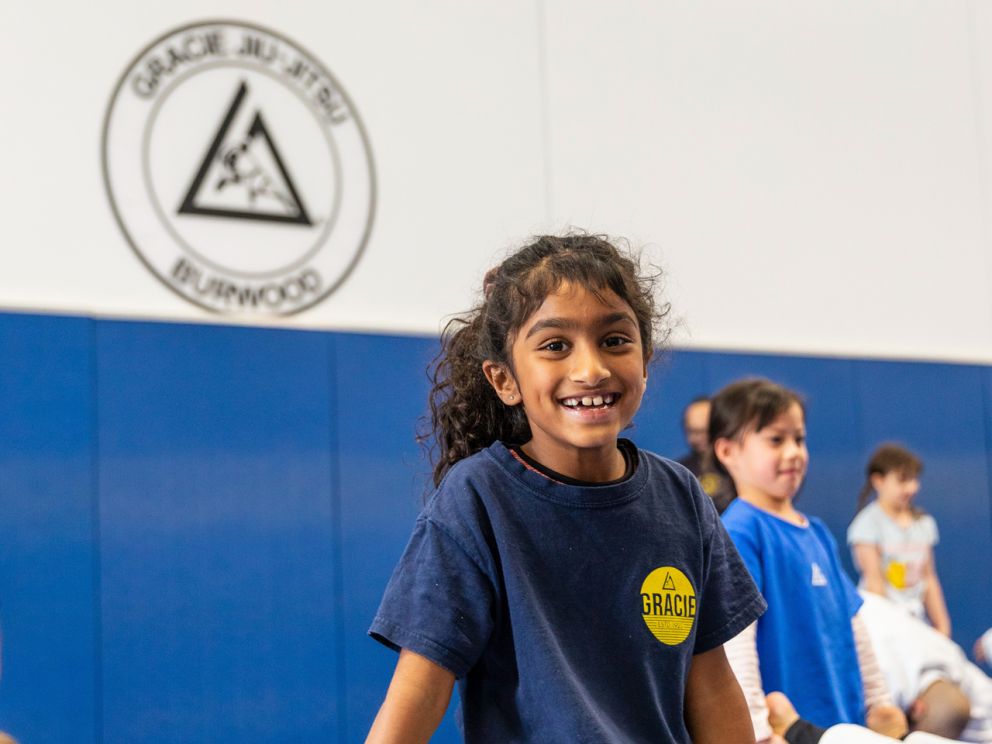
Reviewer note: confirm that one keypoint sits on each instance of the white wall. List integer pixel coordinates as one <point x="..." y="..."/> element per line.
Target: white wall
<point x="814" y="176"/>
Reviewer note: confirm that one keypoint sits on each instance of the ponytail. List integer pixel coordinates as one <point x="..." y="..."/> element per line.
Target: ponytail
<point x="863" y="495"/>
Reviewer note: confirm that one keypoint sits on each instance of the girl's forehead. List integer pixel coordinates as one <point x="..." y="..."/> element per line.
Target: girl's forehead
<point x="902" y="473"/>
<point x="575" y="299"/>
<point x="791" y="418"/>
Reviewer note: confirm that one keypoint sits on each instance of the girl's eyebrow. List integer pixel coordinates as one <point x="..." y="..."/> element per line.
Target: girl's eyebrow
<point x="568" y="324"/>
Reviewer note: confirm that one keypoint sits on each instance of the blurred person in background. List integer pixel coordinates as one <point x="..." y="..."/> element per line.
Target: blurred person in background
<point x="700" y="460"/>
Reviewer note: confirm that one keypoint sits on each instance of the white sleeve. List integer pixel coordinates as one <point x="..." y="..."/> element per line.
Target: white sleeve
<point x="742" y="653"/>
<point x="863" y="529"/>
<point x="872" y="679"/>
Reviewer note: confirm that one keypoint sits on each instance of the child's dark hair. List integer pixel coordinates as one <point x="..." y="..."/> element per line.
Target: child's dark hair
<point x="754" y="401"/>
<point x="466" y="414"/>
<point x="890" y="457"/>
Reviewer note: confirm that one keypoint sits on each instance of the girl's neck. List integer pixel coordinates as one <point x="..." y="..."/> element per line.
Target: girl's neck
<point x="895" y="511"/>
<point x="781" y="508"/>
<point x="592" y="466"/>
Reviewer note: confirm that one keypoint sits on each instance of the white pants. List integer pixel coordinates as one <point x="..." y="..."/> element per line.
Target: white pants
<point x="846" y="733"/>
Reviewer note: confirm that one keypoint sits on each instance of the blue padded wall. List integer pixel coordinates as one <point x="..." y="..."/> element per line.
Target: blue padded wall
<point x="217" y="537"/>
<point x="381" y="393"/>
<point x="48" y="591"/>
<point x="200" y="520"/>
<point x="938" y="411"/>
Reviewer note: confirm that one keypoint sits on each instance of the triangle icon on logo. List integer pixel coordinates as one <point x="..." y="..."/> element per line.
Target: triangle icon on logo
<point x="243" y="176"/>
<point x="668" y="585"/>
<point x="819" y="578"/>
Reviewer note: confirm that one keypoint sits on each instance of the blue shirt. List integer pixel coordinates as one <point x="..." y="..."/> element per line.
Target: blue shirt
<point x="805" y="641"/>
<point x="568" y="613"/>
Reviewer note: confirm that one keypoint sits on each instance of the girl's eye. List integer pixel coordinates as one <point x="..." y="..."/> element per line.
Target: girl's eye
<point x="775" y="440"/>
<point x="613" y="341"/>
<point x="800" y="440"/>
<point x="554" y="346"/>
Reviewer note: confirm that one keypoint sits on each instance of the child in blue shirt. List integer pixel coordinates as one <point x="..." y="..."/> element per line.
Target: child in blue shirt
<point x="810" y="644"/>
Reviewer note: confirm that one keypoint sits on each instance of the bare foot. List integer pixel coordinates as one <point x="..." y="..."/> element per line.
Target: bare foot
<point x="887" y="720"/>
<point x="781" y="713"/>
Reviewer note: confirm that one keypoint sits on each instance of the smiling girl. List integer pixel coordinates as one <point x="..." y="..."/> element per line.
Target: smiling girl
<point x="577" y="588"/>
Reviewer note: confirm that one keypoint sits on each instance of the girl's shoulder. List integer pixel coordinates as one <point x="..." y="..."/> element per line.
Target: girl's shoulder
<point x="464" y="484"/>
<point x="927" y="525"/>
<point x="866" y="525"/>
<point x="676" y="478"/>
<point x="673" y="469"/>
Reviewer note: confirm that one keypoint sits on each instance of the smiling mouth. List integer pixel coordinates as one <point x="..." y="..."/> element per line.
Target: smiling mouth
<point x="607" y="400"/>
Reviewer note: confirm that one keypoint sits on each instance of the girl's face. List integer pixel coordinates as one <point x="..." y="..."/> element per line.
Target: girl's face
<point x="769" y="465"/>
<point x="579" y="370"/>
<point x="895" y="489"/>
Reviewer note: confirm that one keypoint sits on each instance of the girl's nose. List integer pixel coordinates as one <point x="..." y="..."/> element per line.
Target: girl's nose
<point x="793" y="448"/>
<point x="588" y="367"/>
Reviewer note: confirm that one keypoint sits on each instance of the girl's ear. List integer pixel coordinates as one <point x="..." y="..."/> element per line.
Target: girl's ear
<point x="724" y="449"/>
<point x="876" y="480"/>
<point x="503" y="383"/>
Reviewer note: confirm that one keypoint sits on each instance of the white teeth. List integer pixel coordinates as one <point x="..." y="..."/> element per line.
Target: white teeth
<point x="593" y="400"/>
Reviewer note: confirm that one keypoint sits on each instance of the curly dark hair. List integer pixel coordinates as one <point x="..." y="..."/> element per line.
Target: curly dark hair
<point x="466" y="414"/>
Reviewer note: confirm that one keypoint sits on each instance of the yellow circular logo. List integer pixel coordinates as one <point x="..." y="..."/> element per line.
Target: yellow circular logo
<point x="668" y="605"/>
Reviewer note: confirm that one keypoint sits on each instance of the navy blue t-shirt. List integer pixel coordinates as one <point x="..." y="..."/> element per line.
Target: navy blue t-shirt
<point x="568" y="613"/>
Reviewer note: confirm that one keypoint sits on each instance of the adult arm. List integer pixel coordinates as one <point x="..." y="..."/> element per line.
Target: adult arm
<point x="933" y="599"/>
<point x="415" y="703"/>
<point x="868" y="560"/>
<point x="715" y="711"/>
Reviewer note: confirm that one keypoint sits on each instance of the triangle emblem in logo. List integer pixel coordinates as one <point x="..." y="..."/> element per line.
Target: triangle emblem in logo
<point x="819" y="578"/>
<point x="243" y="176"/>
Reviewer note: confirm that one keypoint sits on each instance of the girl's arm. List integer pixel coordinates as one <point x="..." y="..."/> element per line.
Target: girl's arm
<point x="933" y="599"/>
<point x="742" y="655"/>
<point x="868" y="560"/>
<point x="415" y="703"/>
<point x="882" y="715"/>
<point x="715" y="711"/>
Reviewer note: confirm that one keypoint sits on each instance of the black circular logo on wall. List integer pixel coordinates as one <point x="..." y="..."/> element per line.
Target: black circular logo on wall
<point x="238" y="169"/>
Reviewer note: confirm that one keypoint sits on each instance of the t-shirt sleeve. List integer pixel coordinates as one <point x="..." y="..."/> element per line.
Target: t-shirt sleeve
<point x="439" y="601"/>
<point x="863" y="530"/>
<point x="933" y="535"/>
<point x="747" y="544"/>
<point x="730" y="601"/>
